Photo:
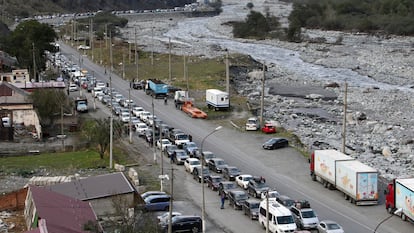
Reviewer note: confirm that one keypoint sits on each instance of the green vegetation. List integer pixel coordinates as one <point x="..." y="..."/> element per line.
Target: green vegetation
<point x="68" y="161"/>
<point x="256" y="26"/>
<point x="28" y="36"/>
<point x="388" y="16"/>
<point x="48" y="104"/>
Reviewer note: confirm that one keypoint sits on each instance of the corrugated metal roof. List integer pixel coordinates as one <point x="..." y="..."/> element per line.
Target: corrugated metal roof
<point x="95" y="187"/>
<point x="62" y="213"/>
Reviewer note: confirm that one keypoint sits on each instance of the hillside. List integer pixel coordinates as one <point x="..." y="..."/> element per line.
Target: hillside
<point x="25" y="8"/>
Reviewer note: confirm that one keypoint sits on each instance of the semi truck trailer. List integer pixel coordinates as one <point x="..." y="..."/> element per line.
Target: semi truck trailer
<point x="156" y="88"/>
<point x="335" y="170"/>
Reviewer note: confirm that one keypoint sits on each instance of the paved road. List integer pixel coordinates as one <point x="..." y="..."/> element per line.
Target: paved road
<point x="284" y="169"/>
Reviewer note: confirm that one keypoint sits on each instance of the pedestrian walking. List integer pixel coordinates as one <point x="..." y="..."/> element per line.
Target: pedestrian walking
<point x="222" y="198"/>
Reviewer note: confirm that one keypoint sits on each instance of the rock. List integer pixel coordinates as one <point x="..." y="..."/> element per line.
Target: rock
<point x="360" y="116"/>
<point x="386" y="151"/>
<point x="332" y="85"/>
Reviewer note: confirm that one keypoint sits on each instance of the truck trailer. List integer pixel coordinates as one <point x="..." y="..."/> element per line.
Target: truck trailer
<point x="156" y="88"/>
<point x="335" y="170"/>
<point x="400" y="196"/>
<point x="217" y="99"/>
<point x="81" y="104"/>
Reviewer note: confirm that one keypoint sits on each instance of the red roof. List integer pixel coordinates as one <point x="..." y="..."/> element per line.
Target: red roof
<point x="62" y="213"/>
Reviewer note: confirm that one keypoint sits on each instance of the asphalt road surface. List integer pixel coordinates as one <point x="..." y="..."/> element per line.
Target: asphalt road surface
<point x="286" y="170"/>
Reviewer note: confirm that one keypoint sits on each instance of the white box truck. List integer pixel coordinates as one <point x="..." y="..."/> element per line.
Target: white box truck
<point x="217" y="99"/>
<point x="335" y="170"/>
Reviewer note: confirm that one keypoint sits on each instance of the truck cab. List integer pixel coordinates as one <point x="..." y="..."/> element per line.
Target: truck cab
<point x="389" y="198"/>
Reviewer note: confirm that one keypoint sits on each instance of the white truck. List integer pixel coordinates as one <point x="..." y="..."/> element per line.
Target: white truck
<point x="335" y="170"/>
<point x="217" y="99"/>
<point x="280" y="218"/>
<point x="180" y="97"/>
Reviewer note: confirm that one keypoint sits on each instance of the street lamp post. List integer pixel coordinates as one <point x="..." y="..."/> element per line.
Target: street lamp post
<point x="398" y="211"/>
<point x="203" y="207"/>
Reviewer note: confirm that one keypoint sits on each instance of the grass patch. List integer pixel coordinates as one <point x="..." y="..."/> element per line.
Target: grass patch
<point x="67" y="161"/>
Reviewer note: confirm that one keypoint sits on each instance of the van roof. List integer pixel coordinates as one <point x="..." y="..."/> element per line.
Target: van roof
<point x="276" y="208"/>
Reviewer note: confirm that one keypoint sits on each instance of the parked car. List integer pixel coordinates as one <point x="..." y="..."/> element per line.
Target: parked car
<point x="162" y="143"/>
<point x="328" y="226"/>
<point x="191" y="163"/>
<point x="179" y="157"/>
<point x="230" y="172"/>
<point x="137" y="110"/>
<point x="213" y="182"/>
<point x="243" y="180"/>
<point x="237" y="198"/>
<point x="251" y="208"/>
<point x="191" y="148"/>
<point x="226" y="187"/>
<point x="208" y="155"/>
<point x="73" y="87"/>
<point x="197" y="174"/>
<point x="169" y="150"/>
<point x="184" y="224"/>
<point x="285" y="200"/>
<point x="272" y="195"/>
<point x="256" y="187"/>
<point x="140" y="128"/>
<point x="269" y="128"/>
<point x="216" y="164"/>
<point x="157" y="203"/>
<point x="151" y="193"/>
<point x="305" y="218"/>
<point x="275" y="143"/>
<point x="163" y="218"/>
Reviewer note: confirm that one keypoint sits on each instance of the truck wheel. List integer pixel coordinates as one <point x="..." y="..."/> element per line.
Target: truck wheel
<point x="403" y="217"/>
<point x="346" y="197"/>
<point x="389" y="209"/>
<point x="313" y="176"/>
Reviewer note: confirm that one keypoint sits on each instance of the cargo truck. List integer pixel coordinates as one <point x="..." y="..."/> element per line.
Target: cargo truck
<point x="180" y="97"/>
<point x="156" y="88"/>
<point x="217" y="99"/>
<point x="335" y="170"/>
<point x="400" y="196"/>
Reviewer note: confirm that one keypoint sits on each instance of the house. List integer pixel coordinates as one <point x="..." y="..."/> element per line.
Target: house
<point x="48" y="211"/>
<point x="103" y="192"/>
<point x="16" y="105"/>
<point x="16" y="76"/>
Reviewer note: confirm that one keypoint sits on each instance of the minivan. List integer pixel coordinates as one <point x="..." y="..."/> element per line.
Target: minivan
<point x="157" y="203"/>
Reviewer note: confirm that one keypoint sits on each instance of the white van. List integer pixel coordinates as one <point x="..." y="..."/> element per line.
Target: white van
<point x="280" y="218"/>
<point x="252" y="124"/>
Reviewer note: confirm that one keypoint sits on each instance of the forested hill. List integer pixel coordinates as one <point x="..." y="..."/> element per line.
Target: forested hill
<point x="26" y="8"/>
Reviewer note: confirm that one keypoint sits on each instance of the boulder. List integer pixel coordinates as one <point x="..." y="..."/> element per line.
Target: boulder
<point x="386" y="151"/>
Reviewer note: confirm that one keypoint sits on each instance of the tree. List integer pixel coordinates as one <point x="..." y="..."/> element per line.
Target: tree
<point x="30" y="36"/>
<point x="98" y="131"/>
<point x="48" y="103"/>
<point x="250" y="5"/>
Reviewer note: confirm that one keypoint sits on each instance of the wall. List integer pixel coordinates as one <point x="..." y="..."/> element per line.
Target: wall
<point x="14" y="200"/>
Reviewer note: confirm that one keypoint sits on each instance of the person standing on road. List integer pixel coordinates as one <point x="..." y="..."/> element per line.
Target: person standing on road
<point x="222" y="198"/>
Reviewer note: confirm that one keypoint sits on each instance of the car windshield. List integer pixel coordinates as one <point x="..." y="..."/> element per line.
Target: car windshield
<point x="234" y="170"/>
<point x="172" y="148"/>
<point x="180" y="153"/>
<point x="182" y="137"/>
<point x="241" y="196"/>
<point x="191" y="144"/>
<point x="220" y="162"/>
<point x="209" y="156"/>
<point x="216" y="179"/>
<point x="247" y="178"/>
<point x="289" y="202"/>
<point x="195" y="162"/>
<point x="285" y="220"/>
<point x="254" y="205"/>
<point x="333" y="226"/>
<point x="308" y="214"/>
<point x="230" y="186"/>
<point x="261" y="185"/>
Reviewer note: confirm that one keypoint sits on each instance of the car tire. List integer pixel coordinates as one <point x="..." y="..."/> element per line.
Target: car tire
<point x="195" y="229"/>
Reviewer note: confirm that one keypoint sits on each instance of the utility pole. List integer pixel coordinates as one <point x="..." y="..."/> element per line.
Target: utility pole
<point x="169" y="59"/>
<point x="344" y="119"/>
<point x="227" y="74"/>
<point x="262" y="98"/>
<point x="110" y="52"/>
<point x="171" y="199"/>
<point x="152" y="46"/>
<point x="111" y="125"/>
<point x="136" y="53"/>
<point x="61" y="127"/>
<point x="91" y="38"/>
<point x="106" y="35"/>
<point x="153" y="131"/>
<point x="123" y="66"/>
<point x="267" y="213"/>
<point x="185" y="68"/>
<point x="130" y="105"/>
<point x="34" y="62"/>
<point x="129" y="48"/>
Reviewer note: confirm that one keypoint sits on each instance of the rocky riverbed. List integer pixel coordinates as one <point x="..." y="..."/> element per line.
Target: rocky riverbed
<point x="305" y="82"/>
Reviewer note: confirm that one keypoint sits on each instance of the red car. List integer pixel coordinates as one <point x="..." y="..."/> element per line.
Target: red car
<point x="269" y="128"/>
